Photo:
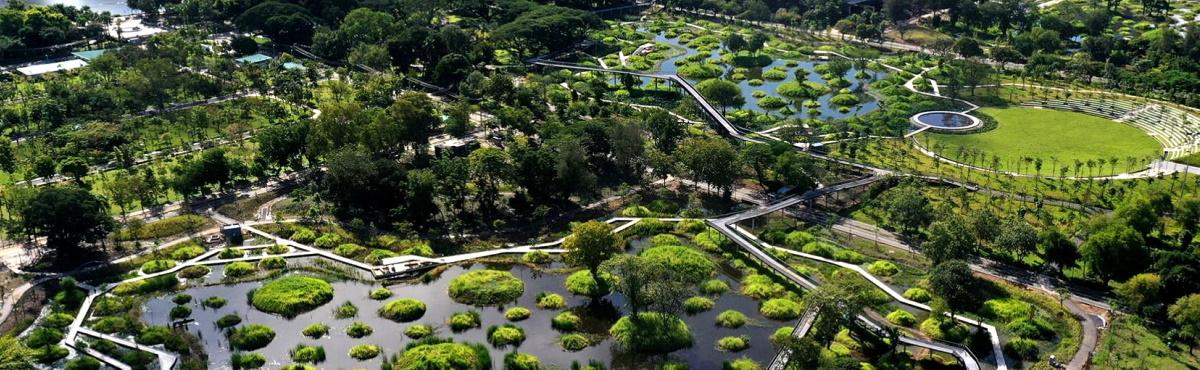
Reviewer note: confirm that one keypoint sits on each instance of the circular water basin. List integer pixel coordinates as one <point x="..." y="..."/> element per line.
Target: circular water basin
<point x="945" y="120"/>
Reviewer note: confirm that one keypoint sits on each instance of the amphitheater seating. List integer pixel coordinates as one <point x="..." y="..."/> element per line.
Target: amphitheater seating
<point x="1177" y="130"/>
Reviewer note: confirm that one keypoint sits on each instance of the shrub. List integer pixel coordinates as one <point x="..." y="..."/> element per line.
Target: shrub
<point x="328" y="241"/>
<point x="83" y="363"/>
<point x="303" y="235"/>
<point x="782" y="334"/>
<point x="291" y="295"/>
<point x="230" y="253"/>
<point x="418" y="331"/>
<point x="536" y="257"/>
<point x="460" y="321"/>
<point x="731" y="319"/>
<point x="918" y="295"/>
<point x="844" y="100"/>
<point x="664" y="240"/>
<point x="714" y="287"/>
<point x="315" y="330"/>
<point x="277" y="249"/>
<point x="180" y="312"/>
<point x="902" y="318"/>
<point x="443" y="356"/>
<point x="109" y="325"/>
<point x="550" y="301"/>
<point x="780" y="309"/>
<point x="181" y="298"/>
<point x="364" y="351"/>
<point x="1022" y="348"/>
<point x="41" y="337"/>
<point x="247" y="360"/>
<point x="187" y="252"/>
<point x="154" y="266"/>
<point x="848" y="256"/>
<point x="755" y="82"/>
<point x="297" y="367"/>
<point x="380" y="294"/>
<point x="690" y="226"/>
<point x="772" y="103"/>
<point x="1030" y="328"/>
<point x="573" y="342"/>
<point x="689" y="264"/>
<point x="144" y="286"/>
<point x="251" y="337"/>
<point x="521" y="361"/>
<point x="349" y="250"/>
<point x="733" y="344"/>
<point x="582" y="283"/>
<point x="505" y="335"/>
<point x="239" y="269"/>
<point x="566" y="321"/>
<point x="307" y="353"/>
<point x="882" y="268"/>
<point x="1007" y="309"/>
<point x="58" y="320"/>
<point x="403" y="310"/>
<point x="377" y="255"/>
<point x="695" y="305"/>
<point x="214" y="302"/>
<point x="741" y="364"/>
<point x="50" y="354"/>
<point x="798" y="239"/>
<point x="229" y="321"/>
<point x="775" y="74"/>
<point x="652" y="332"/>
<point x="944" y="329"/>
<point x="709" y="240"/>
<point x="359" y="329"/>
<point x="700" y="71"/>
<point x="194" y="272"/>
<point x="486" y="287"/>
<point x="272" y="263"/>
<point x="346" y="310"/>
<point x="761" y="287"/>
<point x="517" y="314"/>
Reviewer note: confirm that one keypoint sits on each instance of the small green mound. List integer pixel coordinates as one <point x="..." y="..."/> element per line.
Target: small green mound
<point x="486" y="287"/>
<point x="733" y="344"/>
<point x="944" y="329"/>
<point x="883" y="268"/>
<point x="573" y="342"/>
<point x="731" y="319"/>
<point x="517" y="314"/>
<point x="154" y="266"/>
<point x="521" y="361"/>
<point x="187" y="252"/>
<point x="714" y="287"/>
<point x="902" y="318"/>
<point x="460" y="321"/>
<point x="106" y="325"/>
<point x="272" y="263"/>
<point x="214" y="302"/>
<point x="652" y="332"/>
<point x="194" y="272"/>
<point x="230" y="253"/>
<point x="1025" y="349"/>
<point x="780" y="309"/>
<point x="380" y="294"/>
<point x="364" y="351"/>
<point x="308" y="353"/>
<point x="536" y="257"/>
<point x="689" y="264"/>
<point x="566" y="321"/>
<point x="443" y="356"/>
<point x="918" y="295"/>
<point x="180" y="312"/>
<point x="346" y="310"/>
<point x="403" y="310"/>
<point x="781" y="334"/>
<point x="418" y="331"/>
<point x="83" y="363"/>
<point x="291" y="295"/>
<point x="297" y="367"/>
<point x="349" y="250"/>
<point x="741" y="364"/>
<point x="303" y="235"/>
<point x="239" y="269"/>
<point x="277" y="249"/>
<point x="550" y="301"/>
<point x="247" y="360"/>
<point x="315" y="330"/>
<point x="181" y="298"/>
<point x="328" y="241"/>
<point x="695" y="305"/>
<point x="761" y="287"/>
<point x="505" y="335"/>
<point x="359" y="329"/>
<point x="228" y="321"/>
<point x="251" y="337"/>
<point x="1035" y="328"/>
<point x="582" y="283"/>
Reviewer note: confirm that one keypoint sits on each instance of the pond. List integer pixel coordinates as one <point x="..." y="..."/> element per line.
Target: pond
<point x="946" y="120"/>
<point x="541" y="340"/>
<point x="826" y="110"/>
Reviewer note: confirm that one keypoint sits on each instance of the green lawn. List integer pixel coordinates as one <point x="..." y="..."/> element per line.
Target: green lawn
<point x="1129" y="345"/>
<point x="1191" y="159"/>
<point x="1058" y="138"/>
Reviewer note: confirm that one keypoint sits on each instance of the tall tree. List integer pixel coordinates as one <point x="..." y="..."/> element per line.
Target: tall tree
<point x="953" y="282"/>
<point x="68" y="217"/>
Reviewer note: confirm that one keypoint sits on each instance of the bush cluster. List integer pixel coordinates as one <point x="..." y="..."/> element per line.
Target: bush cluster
<point x="251" y="337"/>
<point x="403" y="310"/>
<point x="460" y="321"/>
<point x="291" y="295"/>
<point x="486" y="287"/>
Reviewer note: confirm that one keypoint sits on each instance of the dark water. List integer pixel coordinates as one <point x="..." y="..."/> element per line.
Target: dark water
<point x="118" y="7"/>
<point x="541" y="339"/>
<point x="945" y="119"/>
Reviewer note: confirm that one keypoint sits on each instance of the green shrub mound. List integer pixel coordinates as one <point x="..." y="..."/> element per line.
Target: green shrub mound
<point x="566" y="321"/>
<point x="303" y="235"/>
<point x="695" y="305"/>
<point x="944" y="329"/>
<point x="731" y="319"/>
<point x="1025" y="349"/>
<point x="700" y="71"/>
<point x="573" y="342"/>
<point x="364" y="351"/>
<point x="214" y="302"/>
<point x="443" y="356"/>
<point x="328" y="241"/>
<point x="582" y="283"/>
<point x="775" y="74"/>
<point x="733" y="344"/>
<point x="297" y="367"/>
<point x="272" y="263"/>
<point x="418" y="331"/>
<point x="277" y="249"/>
<point x="550" y="301"/>
<point x="486" y="288"/>
<point x="229" y="321"/>
<point x="517" y="314"/>
<point x="247" y="360"/>
<point x="403" y="310"/>
<point x="181" y="298"/>
<point x="883" y="268"/>
<point x="714" y="287"/>
<point x="349" y="250"/>
<point x="1035" y="328"/>
<point x="107" y="325"/>
<point x="741" y="364"/>
<point x="230" y="253"/>
<point x="536" y="257"/>
<point x="251" y="337"/>
<point x="154" y="266"/>
<point x="359" y="329"/>
<point x="1007" y="309"/>
<point x="149" y="285"/>
<point x="652" y="332"/>
<point x="690" y="265"/>
<point x="521" y="361"/>
<point x="315" y="330"/>
<point x="50" y="354"/>
<point x="308" y="353"/>
<point x="902" y="318"/>
<point x="781" y="309"/>
<point x="918" y="295"/>
<point x="345" y="310"/>
<point x="180" y="312"/>
<point x="187" y="252"/>
<point x="239" y="269"/>
<point x="772" y="103"/>
<point x="460" y="321"/>
<point x="505" y="335"/>
<point x="380" y="294"/>
<point x="761" y="287"/>
<point x="194" y="272"/>
<point x="42" y="337"/>
<point x="291" y="295"/>
<point x="83" y="363"/>
<point x="781" y="334"/>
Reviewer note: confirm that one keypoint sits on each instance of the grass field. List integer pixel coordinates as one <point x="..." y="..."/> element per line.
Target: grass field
<point x="1129" y="345"/>
<point x="1191" y="160"/>
<point x="1058" y="138"/>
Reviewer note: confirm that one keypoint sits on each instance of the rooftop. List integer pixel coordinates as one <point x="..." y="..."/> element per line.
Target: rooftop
<point x="39" y="69"/>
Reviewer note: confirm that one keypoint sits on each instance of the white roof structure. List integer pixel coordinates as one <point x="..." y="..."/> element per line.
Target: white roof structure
<point x="132" y="28"/>
<point x="39" y="69"/>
